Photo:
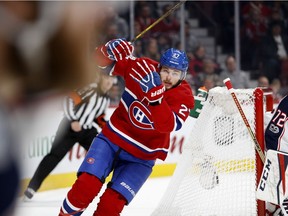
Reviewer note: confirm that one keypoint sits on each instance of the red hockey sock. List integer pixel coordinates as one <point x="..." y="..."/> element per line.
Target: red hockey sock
<point x="111" y="203"/>
<point x="81" y="194"/>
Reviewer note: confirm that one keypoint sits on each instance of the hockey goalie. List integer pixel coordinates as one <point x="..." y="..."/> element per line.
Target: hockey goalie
<point x="273" y="184"/>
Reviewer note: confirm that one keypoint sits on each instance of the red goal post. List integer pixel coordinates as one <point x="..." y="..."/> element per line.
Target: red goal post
<point x="263" y="103"/>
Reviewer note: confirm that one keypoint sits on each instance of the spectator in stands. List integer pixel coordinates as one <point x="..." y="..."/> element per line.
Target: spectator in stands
<point x="208" y="73"/>
<point x="255" y="27"/>
<point x="163" y="42"/>
<point x="153" y="7"/>
<point x="209" y="83"/>
<point x="111" y="32"/>
<point x="275" y="86"/>
<point x="121" y="23"/>
<point x="169" y="26"/>
<point x="261" y="7"/>
<point x="137" y="29"/>
<point x="113" y="26"/>
<point x="273" y="53"/>
<point x="251" y="33"/>
<point x="196" y="63"/>
<point x="152" y="50"/>
<point x="263" y="81"/>
<point x="239" y="79"/>
<point x="145" y="19"/>
<point x="278" y="14"/>
<point x="277" y="90"/>
<point x="138" y="48"/>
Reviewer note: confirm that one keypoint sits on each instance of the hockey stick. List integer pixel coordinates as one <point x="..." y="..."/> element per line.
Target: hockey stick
<point x="159" y="20"/>
<point x="229" y="86"/>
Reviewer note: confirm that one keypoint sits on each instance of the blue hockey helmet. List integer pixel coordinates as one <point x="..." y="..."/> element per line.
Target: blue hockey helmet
<point x="176" y="59"/>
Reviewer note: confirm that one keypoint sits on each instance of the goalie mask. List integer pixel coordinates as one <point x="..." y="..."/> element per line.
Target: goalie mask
<point x="176" y="59"/>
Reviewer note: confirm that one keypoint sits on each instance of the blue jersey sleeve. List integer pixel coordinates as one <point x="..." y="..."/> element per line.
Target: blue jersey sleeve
<point x="276" y="127"/>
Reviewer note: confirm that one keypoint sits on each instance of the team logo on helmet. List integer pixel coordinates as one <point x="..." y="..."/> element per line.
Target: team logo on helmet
<point x="175" y="55"/>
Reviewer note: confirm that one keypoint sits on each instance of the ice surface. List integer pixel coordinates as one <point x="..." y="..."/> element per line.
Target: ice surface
<point x="48" y="203"/>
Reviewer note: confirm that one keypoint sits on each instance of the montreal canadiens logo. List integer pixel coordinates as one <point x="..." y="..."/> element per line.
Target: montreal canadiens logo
<point x="140" y="116"/>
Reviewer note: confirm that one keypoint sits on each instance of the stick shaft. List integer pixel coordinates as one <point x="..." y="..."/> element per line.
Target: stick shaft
<point x="256" y="143"/>
<point x="159" y="20"/>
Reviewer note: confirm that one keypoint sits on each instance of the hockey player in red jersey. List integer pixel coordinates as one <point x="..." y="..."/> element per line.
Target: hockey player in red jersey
<point x="156" y="101"/>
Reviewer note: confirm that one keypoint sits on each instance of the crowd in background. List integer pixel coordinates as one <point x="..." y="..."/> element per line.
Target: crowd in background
<point x="263" y="40"/>
<point x="43" y="49"/>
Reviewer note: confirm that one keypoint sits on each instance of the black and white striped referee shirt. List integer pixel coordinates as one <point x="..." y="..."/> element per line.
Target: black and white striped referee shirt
<point x="86" y="105"/>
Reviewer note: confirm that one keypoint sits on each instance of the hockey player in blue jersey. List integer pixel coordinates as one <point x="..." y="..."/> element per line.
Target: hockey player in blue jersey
<point x="276" y="138"/>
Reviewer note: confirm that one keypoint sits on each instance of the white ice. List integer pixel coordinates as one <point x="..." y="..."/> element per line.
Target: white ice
<point x="48" y="203"/>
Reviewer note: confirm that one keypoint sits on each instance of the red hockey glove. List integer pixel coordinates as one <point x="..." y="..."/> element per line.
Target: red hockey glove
<point x="155" y="95"/>
<point x="114" y="50"/>
<point x="101" y="120"/>
<point x="149" y="80"/>
<point x="118" y="49"/>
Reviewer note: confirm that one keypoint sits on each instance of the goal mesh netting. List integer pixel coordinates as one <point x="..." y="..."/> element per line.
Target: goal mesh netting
<point x="217" y="171"/>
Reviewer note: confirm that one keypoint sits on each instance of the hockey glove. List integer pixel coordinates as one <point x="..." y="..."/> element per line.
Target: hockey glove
<point x="117" y="49"/>
<point x="155" y="94"/>
<point x="149" y="80"/>
<point x="101" y="120"/>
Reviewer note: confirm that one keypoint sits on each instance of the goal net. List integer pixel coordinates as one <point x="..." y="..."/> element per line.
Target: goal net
<point x="218" y="169"/>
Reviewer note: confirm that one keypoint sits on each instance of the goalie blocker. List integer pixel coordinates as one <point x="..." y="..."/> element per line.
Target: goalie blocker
<point x="273" y="184"/>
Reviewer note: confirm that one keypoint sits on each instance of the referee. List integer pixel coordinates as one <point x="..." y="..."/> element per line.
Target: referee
<point x="84" y="111"/>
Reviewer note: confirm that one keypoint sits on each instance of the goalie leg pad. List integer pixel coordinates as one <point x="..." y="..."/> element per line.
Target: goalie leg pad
<point x="273" y="183"/>
<point x="111" y="203"/>
<point x="81" y="194"/>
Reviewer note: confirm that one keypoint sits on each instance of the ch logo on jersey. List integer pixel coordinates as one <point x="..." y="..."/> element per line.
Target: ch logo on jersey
<point x="140" y="116"/>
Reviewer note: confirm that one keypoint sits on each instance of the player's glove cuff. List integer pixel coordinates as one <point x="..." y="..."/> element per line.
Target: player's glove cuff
<point x="155" y="95"/>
